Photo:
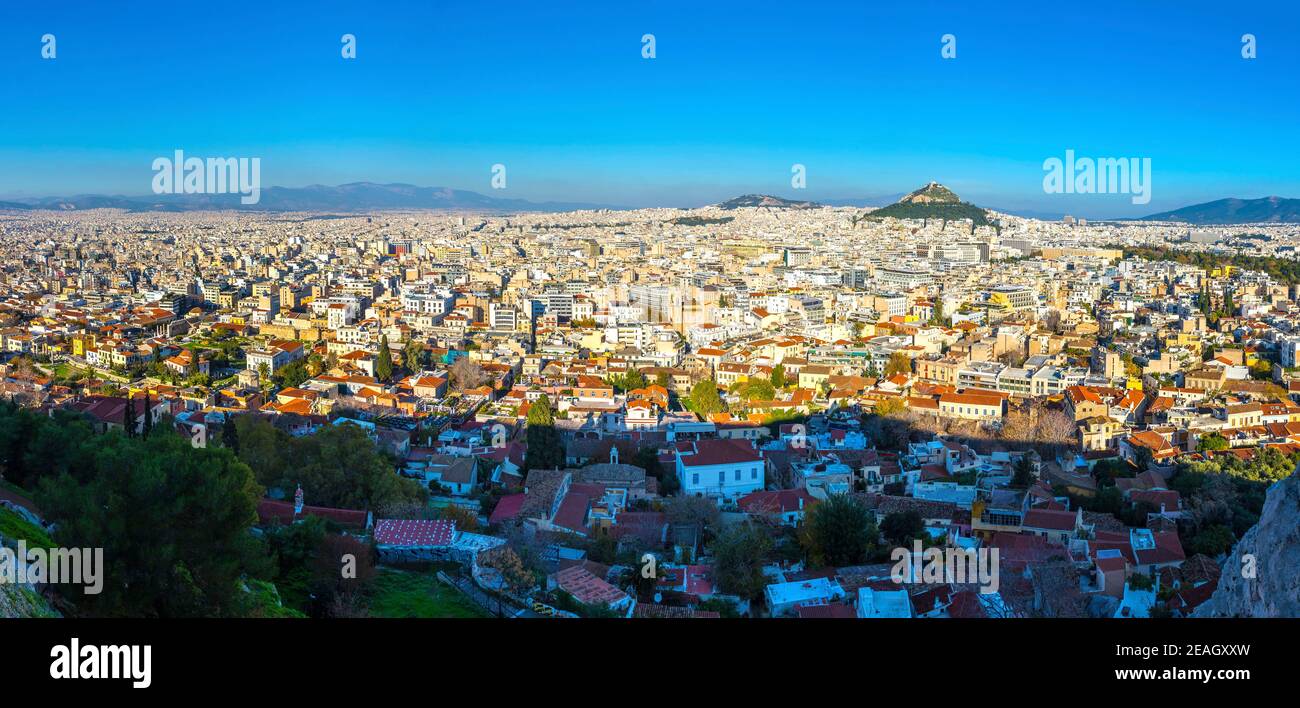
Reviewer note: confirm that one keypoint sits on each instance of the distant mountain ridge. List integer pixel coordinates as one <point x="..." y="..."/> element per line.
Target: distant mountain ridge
<point x="766" y="200"/>
<point x="351" y="197"/>
<point x="933" y="200"/>
<point x="1278" y="210"/>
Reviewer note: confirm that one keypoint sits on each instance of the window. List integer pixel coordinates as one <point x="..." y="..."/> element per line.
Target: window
<point x="753" y="473"/>
<point x="737" y="475"/>
<point x="695" y="479"/>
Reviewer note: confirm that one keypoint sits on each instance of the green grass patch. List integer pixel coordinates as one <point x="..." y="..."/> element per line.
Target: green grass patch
<point x="14" y="527"/>
<point x="264" y="601"/>
<point x="401" y="593"/>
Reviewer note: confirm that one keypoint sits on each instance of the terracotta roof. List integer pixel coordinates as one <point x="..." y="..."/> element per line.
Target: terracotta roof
<point x="268" y="509"/>
<point x="718" y="452"/>
<point x="587" y="588"/>
<point x="414" y="532"/>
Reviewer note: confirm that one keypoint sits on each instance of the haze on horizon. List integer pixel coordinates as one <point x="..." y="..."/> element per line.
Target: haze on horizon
<point x="736" y="94"/>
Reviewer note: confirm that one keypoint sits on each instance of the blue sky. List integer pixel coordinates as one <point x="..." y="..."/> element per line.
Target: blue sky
<point x="739" y="91"/>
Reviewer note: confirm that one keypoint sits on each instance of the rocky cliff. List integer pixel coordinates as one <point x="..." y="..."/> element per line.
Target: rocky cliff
<point x="19" y="523"/>
<point x="1274" y="544"/>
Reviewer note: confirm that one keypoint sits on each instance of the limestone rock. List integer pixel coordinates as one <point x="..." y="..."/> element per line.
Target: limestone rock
<point x="1274" y="544"/>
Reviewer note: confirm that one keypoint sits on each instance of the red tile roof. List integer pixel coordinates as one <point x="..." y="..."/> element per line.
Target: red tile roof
<point x="587" y="588"/>
<point x="719" y="452"/>
<point x="771" y="502"/>
<point x="414" y="532"/>
<point x="268" y="509"/>
<point x="1050" y="519"/>
<point x="507" y="507"/>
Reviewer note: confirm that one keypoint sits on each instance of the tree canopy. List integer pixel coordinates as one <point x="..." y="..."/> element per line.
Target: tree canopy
<point x="338" y="465"/>
<point x="738" y="556"/>
<point x="173" y="521"/>
<point x="545" y="446"/>
<point x="384" y="360"/>
<point x="705" y="399"/>
<point x="840" y="531"/>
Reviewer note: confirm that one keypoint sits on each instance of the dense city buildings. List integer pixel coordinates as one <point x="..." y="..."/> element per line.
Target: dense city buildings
<point x="555" y="400"/>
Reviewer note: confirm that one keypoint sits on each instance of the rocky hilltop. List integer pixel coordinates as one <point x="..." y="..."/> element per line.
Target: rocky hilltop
<point x="933" y="201"/>
<point x="1274" y="591"/>
<point x="932" y="193"/>
<point x="765" y="200"/>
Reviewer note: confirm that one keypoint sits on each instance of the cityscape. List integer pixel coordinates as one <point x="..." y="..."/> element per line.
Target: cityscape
<point x="489" y="335"/>
<point x="742" y="410"/>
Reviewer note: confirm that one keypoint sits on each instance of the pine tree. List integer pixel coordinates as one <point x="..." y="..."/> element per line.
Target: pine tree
<point x="384" y="362"/>
<point x="128" y="416"/>
<point x="545" y="448"/>
<point x="411" y="355"/>
<point x="229" y="433"/>
<point x="148" y="417"/>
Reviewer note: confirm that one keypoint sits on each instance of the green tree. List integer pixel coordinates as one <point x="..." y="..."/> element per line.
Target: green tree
<point x="840" y="531"/>
<point x="890" y="407"/>
<point x="1212" y="540"/>
<point x="1141" y="581"/>
<point x="173" y="521"/>
<point x="778" y="376"/>
<point x="128" y="415"/>
<point x="705" y="399"/>
<point x="1211" y="441"/>
<point x="292" y="374"/>
<point x="384" y="360"/>
<point x="757" y="390"/>
<point x="738" y="557"/>
<point x="937" y="316"/>
<point x="148" y="414"/>
<point x="338" y="465"/>
<point x="901" y="527"/>
<point x="647" y="458"/>
<point x="545" y="446"/>
<point x="898" y="364"/>
<point x="1022" y="473"/>
<point x="411" y="353"/>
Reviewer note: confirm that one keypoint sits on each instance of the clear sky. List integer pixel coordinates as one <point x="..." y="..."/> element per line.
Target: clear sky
<point x="739" y="91"/>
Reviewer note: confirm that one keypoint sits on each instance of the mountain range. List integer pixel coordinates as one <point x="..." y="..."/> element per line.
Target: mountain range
<point x="930" y="201"/>
<point x="355" y="196"/>
<point x="1235" y="211"/>
<point x="766" y="200"/>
